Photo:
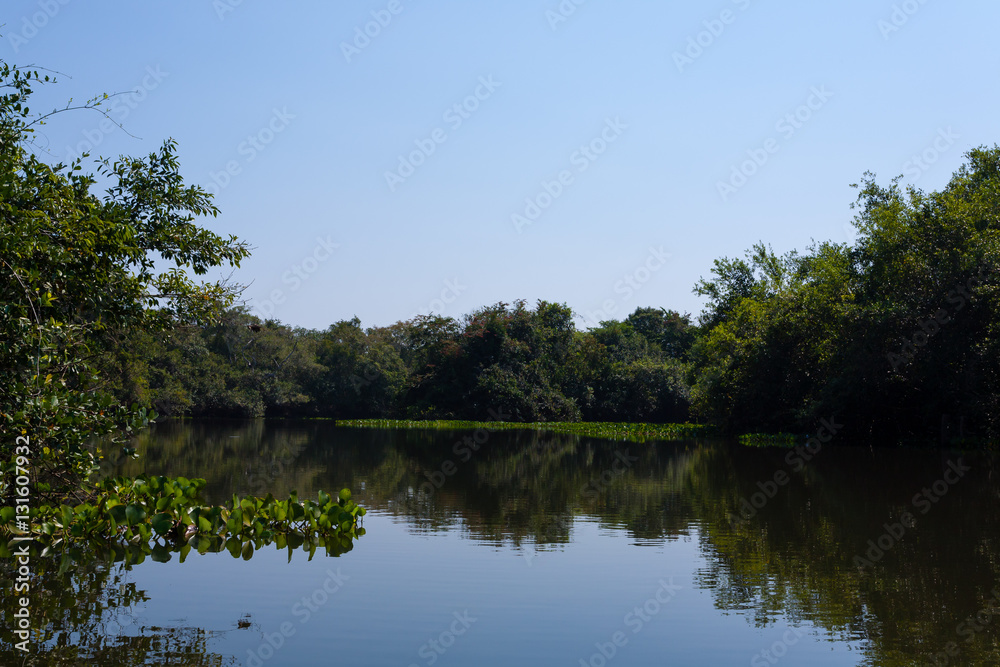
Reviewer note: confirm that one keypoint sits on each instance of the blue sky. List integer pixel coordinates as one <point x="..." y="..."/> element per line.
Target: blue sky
<point x="590" y="153"/>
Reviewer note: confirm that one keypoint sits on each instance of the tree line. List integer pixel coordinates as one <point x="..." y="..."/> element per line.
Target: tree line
<point x="894" y="335"/>
<point x="506" y="361"/>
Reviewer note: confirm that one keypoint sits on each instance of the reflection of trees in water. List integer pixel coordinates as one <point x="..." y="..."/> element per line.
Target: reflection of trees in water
<point x="84" y="607"/>
<point x="796" y="557"/>
<point x="794" y="560"/>
<point x="246" y="458"/>
<point x="791" y="561"/>
<point x="526" y="486"/>
<point x="83" y="611"/>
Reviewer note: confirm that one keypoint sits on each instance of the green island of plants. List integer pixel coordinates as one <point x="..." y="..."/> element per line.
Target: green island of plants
<point x="771" y="439"/>
<point x="636" y="432"/>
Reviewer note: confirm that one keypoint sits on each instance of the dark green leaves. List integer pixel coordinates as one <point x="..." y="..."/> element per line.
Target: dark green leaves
<point x="136" y="511"/>
<point x="134" y="514"/>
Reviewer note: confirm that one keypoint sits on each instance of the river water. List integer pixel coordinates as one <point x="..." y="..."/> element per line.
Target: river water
<point x="532" y="548"/>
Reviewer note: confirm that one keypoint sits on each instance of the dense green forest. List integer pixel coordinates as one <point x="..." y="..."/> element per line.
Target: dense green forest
<point x="504" y="361"/>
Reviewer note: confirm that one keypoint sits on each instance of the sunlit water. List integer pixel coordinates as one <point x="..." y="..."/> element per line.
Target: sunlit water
<point x="529" y="548"/>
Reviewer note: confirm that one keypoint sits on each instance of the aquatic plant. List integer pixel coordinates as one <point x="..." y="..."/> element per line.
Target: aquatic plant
<point x="156" y="512"/>
<point x="637" y="432"/>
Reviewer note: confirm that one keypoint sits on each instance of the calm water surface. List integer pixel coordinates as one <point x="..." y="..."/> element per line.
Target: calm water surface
<point x="524" y="548"/>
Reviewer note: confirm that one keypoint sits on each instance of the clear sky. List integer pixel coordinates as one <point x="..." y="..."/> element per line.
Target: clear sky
<point x="598" y="154"/>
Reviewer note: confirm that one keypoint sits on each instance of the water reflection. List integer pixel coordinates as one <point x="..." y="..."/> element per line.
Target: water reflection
<point x="83" y="608"/>
<point x="795" y="548"/>
<point x="83" y="604"/>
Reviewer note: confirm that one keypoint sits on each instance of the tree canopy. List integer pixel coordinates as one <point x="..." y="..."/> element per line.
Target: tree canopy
<point x="895" y="333"/>
<point x="80" y="278"/>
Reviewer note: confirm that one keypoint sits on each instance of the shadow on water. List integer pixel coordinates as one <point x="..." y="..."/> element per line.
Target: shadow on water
<point x="897" y="551"/>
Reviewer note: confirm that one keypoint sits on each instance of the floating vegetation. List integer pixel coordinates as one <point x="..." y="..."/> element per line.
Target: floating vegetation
<point x="158" y="515"/>
<point x="637" y="432"/>
<point x="771" y="439"/>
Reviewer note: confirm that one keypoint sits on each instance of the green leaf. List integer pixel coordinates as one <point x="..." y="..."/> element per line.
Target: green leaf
<point x="161" y="554"/>
<point x="200" y="543"/>
<point x="234" y="546"/>
<point x="117" y="513"/>
<point x="134" y="514"/>
<point x="162" y="523"/>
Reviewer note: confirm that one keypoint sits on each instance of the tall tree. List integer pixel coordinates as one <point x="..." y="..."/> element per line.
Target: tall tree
<point x="80" y="273"/>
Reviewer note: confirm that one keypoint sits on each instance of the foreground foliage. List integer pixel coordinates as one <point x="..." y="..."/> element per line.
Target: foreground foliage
<point x="83" y="281"/>
<point x="138" y="511"/>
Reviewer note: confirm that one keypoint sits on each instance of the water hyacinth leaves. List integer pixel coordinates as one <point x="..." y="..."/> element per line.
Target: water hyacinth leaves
<point x="631" y="431"/>
<point x="164" y="511"/>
